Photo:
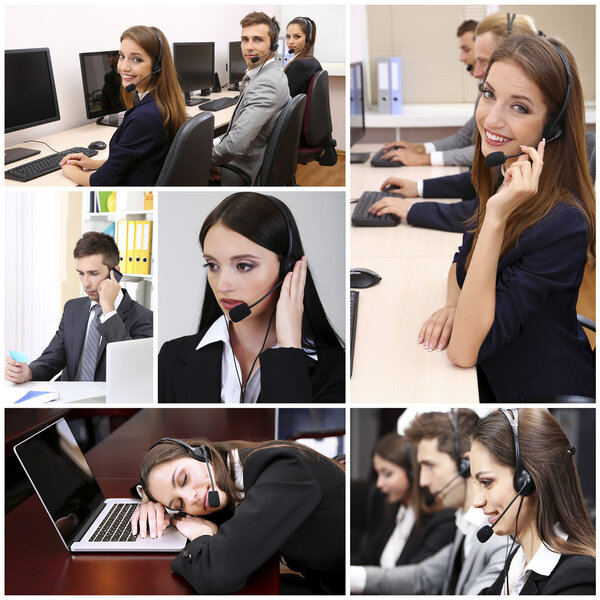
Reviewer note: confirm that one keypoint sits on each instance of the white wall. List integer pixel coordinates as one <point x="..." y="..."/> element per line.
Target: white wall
<point x="179" y="257"/>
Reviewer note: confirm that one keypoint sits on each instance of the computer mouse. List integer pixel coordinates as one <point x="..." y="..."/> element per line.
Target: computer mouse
<point x="363" y="278"/>
<point x="97" y="146"/>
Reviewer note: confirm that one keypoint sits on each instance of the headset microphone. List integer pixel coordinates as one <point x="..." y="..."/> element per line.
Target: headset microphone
<point x="274" y="47"/>
<point x="431" y="498"/>
<point x="485" y="533"/>
<point x="133" y="86"/>
<point x="292" y="50"/>
<point x="241" y="311"/>
<point x="469" y="68"/>
<point x="156" y="67"/>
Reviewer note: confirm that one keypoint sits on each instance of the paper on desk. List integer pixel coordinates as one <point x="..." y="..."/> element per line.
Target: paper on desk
<point x="18" y="356"/>
<point x="38" y="395"/>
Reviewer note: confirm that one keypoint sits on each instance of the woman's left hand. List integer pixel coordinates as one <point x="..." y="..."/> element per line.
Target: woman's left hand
<point x="193" y="527"/>
<point x="290" y="306"/>
<point x="520" y="183"/>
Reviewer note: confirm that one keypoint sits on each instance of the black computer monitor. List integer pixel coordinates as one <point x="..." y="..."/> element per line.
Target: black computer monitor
<point x="195" y="65"/>
<point x="357" y="110"/>
<point x="29" y="94"/>
<point x="101" y="85"/>
<point x="236" y="64"/>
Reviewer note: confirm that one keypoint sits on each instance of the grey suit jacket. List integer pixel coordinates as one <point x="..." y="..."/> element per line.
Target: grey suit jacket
<point x="458" y="148"/>
<point x="64" y="351"/>
<point x="257" y="110"/>
<point x="480" y="569"/>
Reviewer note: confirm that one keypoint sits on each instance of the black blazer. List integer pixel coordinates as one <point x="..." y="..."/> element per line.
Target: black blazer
<point x="435" y="531"/>
<point x="572" y="576"/>
<point x="294" y="504"/>
<point x="286" y="374"/>
<point x="299" y="73"/>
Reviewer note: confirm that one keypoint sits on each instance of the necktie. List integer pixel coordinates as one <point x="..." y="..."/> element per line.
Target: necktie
<point x="87" y="364"/>
<point x="456" y="568"/>
<point x="244" y="82"/>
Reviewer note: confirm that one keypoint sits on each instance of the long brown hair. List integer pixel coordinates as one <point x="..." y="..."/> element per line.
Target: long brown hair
<point x="309" y="48"/>
<point x="547" y="455"/>
<point x="565" y="176"/>
<point x="166" y="89"/>
<point x="220" y="452"/>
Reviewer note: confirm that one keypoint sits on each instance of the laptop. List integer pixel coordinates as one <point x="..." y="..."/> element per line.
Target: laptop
<point x="85" y="520"/>
<point x="129" y="373"/>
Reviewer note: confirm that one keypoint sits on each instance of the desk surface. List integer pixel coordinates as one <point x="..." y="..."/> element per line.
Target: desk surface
<point x="38" y="563"/>
<point x="85" y="135"/>
<point x="70" y="391"/>
<point x="413" y="263"/>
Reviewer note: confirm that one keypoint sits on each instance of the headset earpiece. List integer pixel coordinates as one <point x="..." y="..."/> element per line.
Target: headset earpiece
<point x="463" y="464"/>
<point x="157" y="66"/>
<point x="522" y="481"/>
<point x="288" y="262"/>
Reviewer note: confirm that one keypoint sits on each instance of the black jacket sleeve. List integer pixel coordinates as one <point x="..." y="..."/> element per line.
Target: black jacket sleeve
<point x="445" y="217"/>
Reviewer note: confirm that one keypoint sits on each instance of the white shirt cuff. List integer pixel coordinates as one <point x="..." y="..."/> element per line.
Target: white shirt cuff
<point x="104" y="318"/>
<point x="217" y="141"/>
<point x="420" y="188"/>
<point x="358" y="579"/>
<point x="437" y="158"/>
<point x="429" y="147"/>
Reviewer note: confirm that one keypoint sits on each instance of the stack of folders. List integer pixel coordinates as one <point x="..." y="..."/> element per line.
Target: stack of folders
<point x="134" y="239"/>
<point x="389" y="85"/>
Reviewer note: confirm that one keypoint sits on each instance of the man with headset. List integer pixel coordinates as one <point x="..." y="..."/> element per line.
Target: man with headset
<point x="264" y="94"/>
<point x="464" y="566"/>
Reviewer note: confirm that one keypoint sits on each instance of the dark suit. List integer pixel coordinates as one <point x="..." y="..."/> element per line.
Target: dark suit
<point x="286" y="374"/>
<point x="132" y="321"/>
<point x="572" y="576"/>
<point x="535" y="346"/>
<point x="434" y="532"/>
<point x="137" y="150"/>
<point x="293" y="504"/>
<point x="299" y="73"/>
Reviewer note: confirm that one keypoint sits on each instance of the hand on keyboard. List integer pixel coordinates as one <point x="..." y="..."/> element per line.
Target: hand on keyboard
<point x="390" y="205"/>
<point x="398" y="185"/>
<point x="82" y="161"/>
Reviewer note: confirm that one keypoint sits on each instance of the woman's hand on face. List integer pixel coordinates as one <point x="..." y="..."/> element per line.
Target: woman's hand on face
<point x="82" y="161"/>
<point x="436" y="331"/>
<point x="406" y="187"/>
<point x="520" y="183"/>
<point x="290" y="306"/>
<point x="193" y="527"/>
<point x="151" y="518"/>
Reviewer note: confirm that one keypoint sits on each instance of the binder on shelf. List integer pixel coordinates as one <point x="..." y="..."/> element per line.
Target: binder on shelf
<point x="396" y="85"/>
<point x="383" y="86"/>
<point x="137" y="254"/>
<point x="148" y="200"/>
<point x="146" y="248"/>
<point x="122" y="244"/>
<point x="130" y="255"/>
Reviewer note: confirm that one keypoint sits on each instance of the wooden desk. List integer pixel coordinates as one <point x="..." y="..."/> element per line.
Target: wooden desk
<point x="389" y="365"/>
<point x="36" y="562"/>
<point x="85" y="135"/>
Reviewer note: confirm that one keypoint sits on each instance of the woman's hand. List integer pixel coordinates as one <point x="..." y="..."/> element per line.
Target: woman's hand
<point x="82" y="161"/>
<point x="393" y="206"/>
<point x="408" y="157"/>
<point x="193" y="527"/>
<point x="290" y="306"/>
<point x="520" y="183"/>
<point x="406" y="187"/>
<point x="151" y="517"/>
<point x="436" y="331"/>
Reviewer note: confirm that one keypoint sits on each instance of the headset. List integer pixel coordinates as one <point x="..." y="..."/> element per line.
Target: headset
<point x="522" y="481"/>
<point x="510" y="19"/>
<point x="308" y="37"/>
<point x="463" y="464"/>
<point x="202" y="454"/>
<point x="275" y="42"/>
<point x="156" y="67"/>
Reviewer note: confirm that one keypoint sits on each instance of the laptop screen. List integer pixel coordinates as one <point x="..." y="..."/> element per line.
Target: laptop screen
<point x="61" y="477"/>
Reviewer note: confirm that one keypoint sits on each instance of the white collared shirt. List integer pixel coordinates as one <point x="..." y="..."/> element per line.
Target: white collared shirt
<point x="254" y="72"/>
<point x="405" y="521"/>
<point x="469" y="523"/>
<point x="544" y="561"/>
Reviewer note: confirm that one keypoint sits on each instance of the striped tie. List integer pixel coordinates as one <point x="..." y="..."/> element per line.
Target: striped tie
<point x="87" y="365"/>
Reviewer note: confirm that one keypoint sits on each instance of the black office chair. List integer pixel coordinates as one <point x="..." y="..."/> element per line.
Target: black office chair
<point x="188" y="159"/>
<point x="316" y="142"/>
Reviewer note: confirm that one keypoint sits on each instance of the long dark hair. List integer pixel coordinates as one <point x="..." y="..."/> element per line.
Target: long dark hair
<point x="257" y="218"/>
<point x="547" y="455"/>
<point x="309" y="48"/>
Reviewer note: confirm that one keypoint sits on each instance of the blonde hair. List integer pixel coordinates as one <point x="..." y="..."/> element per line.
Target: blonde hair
<point x="498" y="25"/>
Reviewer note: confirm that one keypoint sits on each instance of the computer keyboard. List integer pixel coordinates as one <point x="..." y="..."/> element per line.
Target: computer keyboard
<point x="219" y="104"/>
<point x="377" y="161"/>
<point x="116" y="526"/>
<point x="44" y="165"/>
<point x="354" y="295"/>
<point x="363" y="218"/>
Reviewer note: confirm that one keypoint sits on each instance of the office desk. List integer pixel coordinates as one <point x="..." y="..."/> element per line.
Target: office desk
<point x="389" y="365"/>
<point x="36" y="561"/>
<point x="70" y="391"/>
<point x="85" y="135"/>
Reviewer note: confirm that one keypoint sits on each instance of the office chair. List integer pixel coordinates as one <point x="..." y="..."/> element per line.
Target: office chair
<point x="316" y="142"/>
<point x="188" y="159"/>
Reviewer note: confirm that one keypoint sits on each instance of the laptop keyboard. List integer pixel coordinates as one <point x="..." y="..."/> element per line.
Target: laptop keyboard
<point x="116" y="526"/>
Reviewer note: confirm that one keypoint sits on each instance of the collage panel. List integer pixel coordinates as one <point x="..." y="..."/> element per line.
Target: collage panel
<point x="258" y="493"/>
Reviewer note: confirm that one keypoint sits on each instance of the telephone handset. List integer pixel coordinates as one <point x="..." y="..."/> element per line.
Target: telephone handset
<point x="118" y="275"/>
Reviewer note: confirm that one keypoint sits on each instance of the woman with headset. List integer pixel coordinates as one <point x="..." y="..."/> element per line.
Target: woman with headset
<point x="401" y="528"/>
<point x="242" y="502"/>
<point x="263" y="334"/>
<point x="513" y="286"/>
<point x="156" y="110"/>
<point x="526" y="452"/>
<point x="300" y="37"/>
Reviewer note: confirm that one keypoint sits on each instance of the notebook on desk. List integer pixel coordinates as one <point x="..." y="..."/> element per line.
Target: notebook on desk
<point x="85" y="520"/>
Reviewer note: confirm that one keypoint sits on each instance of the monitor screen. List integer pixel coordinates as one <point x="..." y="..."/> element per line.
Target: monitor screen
<point x="101" y="83"/>
<point x="195" y="65"/>
<point x="236" y="62"/>
<point x="357" y="103"/>
<point x="30" y="94"/>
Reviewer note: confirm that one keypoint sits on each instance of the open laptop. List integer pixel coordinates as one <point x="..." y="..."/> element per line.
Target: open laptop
<point x="85" y="520"/>
<point x="129" y="371"/>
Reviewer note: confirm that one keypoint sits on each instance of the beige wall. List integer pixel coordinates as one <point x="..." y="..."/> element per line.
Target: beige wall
<point x="69" y="206"/>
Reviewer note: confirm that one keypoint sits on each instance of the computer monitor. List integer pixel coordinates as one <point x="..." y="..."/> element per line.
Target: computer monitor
<point x="236" y="64"/>
<point x="101" y="85"/>
<point x="29" y="94"/>
<point x="357" y="110"/>
<point x="195" y="65"/>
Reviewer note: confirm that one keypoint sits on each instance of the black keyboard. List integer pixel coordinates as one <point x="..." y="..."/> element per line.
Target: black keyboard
<point x="43" y="166"/>
<point x="359" y="157"/>
<point x="353" y="318"/>
<point x="377" y="161"/>
<point x="219" y="104"/>
<point x="116" y="525"/>
<point x="363" y="218"/>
